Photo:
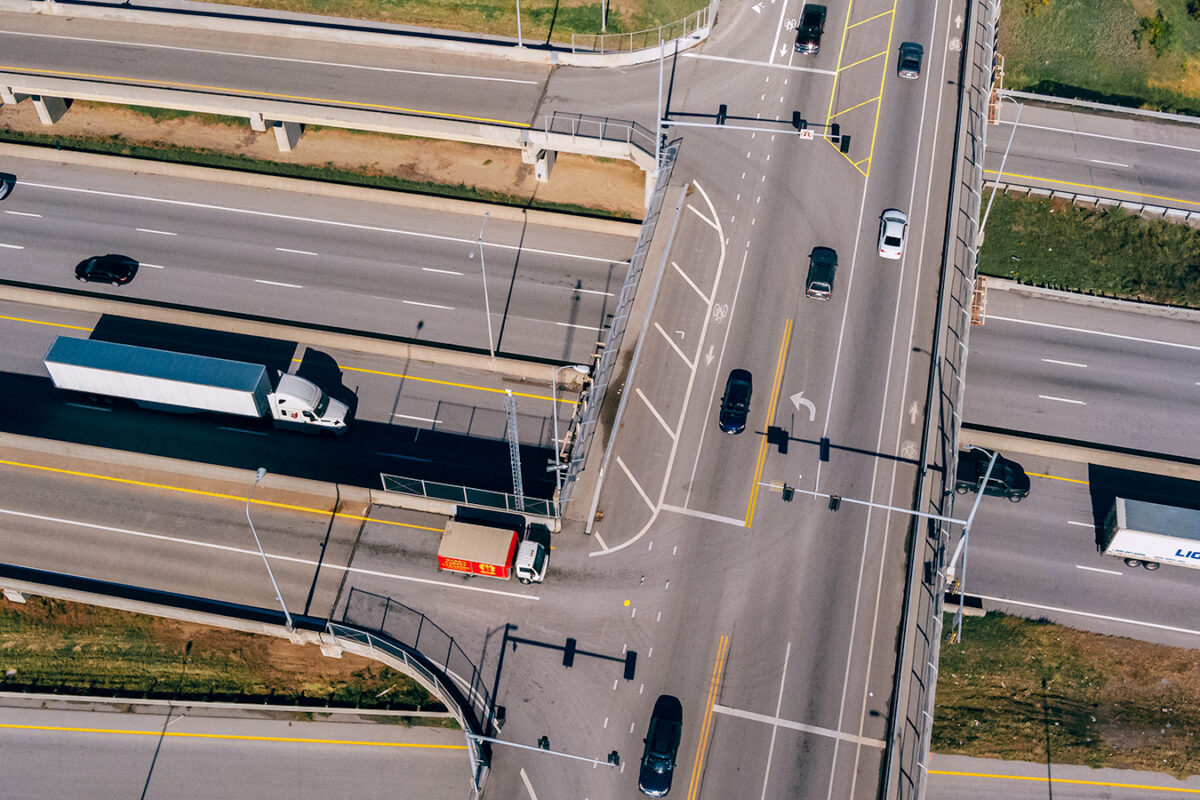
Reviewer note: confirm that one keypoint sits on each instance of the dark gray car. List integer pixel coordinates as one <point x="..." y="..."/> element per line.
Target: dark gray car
<point x="735" y="403"/>
<point x="822" y="266"/>
<point x="662" y="744"/>
<point x="808" y="32"/>
<point x="909" y="65"/>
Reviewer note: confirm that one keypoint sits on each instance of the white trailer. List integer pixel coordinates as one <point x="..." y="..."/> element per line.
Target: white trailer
<point x="1150" y="534"/>
<point x="182" y="382"/>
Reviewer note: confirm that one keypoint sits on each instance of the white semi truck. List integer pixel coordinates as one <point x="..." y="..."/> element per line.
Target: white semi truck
<point x="1150" y="534"/>
<point x="182" y="382"/>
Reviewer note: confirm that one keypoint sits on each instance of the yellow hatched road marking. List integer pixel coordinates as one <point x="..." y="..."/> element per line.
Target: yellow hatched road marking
<point x="251" y="93"/>
<point x="1074" y="781"/>
<point x="706" y="726"/>
<point x="762" y="447"/>
<point x="231" y="736"/>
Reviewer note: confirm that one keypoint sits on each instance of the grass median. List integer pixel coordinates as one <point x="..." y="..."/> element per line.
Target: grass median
<point x="1103" y="251"/>
<point x="1089" y="51"/>
<point x="1034" y="691"/>
<point x="71" y="648"/>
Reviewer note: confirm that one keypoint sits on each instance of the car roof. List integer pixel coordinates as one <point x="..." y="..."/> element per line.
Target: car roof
<point x="739" y="375"/>
<point x="824" y="255"/>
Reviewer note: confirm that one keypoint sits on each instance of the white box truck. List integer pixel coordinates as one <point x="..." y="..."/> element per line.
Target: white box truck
<point x="182" y="382"/>
<point x="1150" y="534"/>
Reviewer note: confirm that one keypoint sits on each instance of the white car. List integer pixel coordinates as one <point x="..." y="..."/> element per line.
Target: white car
<point x="893" y="226"/>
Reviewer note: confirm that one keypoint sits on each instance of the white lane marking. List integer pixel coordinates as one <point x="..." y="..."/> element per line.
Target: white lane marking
<point x="1097" y="569"/>
<point x="1062" y="399"/>
<point x="241" y="430"/>
<point x="1139" y="142"/>
<point x="712" y="223"/>
<point x="419" y="419"/>
<point x="691" y="512"/>
<point x="798" y="726"/>
<point x="277" y="283"/>
<point x="636" y="485"/>
<point x="12" y="246"/>
<point x="1107" y="163"/>
<point x="596" y="535"/>
<point x="441" y="271"/>
<point x="779" y="28"/>
<point x="674" y="346"/>
<point x="574" y="325"/>
<point x="151" y="266"/>
<point x="88" y="407"/>
<point x="157" y="233"/>
<point x="654" y="411"/>
<point x="592" y="291"/>
<point x="525" y="778"/>
<point x="316" y="221"/>
<point x="1080" y="524"/>
<point x="1095" y="333"/>
<point x="1126" y="620"/>
<point x="255" y="553"/>
<point x="758" y="63"/>
<point x="1063" y="363"/>
<point x="23" y="214"/>
<point x="297" y="252"/>
<point x="257" y="57"/>
<point x="690" y="282"/>
<point x="775" y="728"/>
<point x="426" y="305"/>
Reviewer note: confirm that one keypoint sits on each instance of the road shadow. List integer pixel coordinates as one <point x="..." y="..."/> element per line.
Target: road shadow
<point x="1106" y="484"/>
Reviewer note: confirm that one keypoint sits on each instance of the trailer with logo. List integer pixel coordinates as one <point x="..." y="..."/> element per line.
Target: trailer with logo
<point x="1151" y="534"/>
<point x="484" y="550"/>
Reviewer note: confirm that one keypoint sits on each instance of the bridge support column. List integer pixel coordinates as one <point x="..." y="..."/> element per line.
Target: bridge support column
<point x="287" y="134"/>
<point x="49" y="109"/>
<point x="13" y="596"/>
<point x="651" y="180"/>
<point x="543" y="165"/>
<point x="258" y="122"/>
<point x="8" y="97"/>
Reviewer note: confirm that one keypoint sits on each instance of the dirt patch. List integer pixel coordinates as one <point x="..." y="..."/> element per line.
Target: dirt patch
<point x="607" y="185"/>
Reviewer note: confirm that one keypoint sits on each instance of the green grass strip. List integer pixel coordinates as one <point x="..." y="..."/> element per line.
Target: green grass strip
<point x="1034" y="691"/>
<point x="1107" y="251"/>
<point x="210" y="158"/>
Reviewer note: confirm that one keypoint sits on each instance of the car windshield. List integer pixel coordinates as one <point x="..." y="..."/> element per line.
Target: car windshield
<point x="322" y="405"/>
<point x="739" y="396"/>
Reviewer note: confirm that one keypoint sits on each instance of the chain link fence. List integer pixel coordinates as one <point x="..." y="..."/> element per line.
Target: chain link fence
<point x="467" y="496"/>
<point x="641" y="40"/>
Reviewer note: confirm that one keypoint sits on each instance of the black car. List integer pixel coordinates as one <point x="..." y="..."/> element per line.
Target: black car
<point x="1008" y="478"/>
<point x="6" y="184"/>
<point x="808" y="32"/>
<point x="822" y="265"/>
<point x="112" y="268"/>
<point x="909" y="65"/>
<point x="662" y="742"/>
<point x="735" y="403"/>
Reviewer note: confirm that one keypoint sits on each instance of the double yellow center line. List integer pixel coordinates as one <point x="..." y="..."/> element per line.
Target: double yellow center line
<point x="762" y="447"/>
<point x="706" y="727"/>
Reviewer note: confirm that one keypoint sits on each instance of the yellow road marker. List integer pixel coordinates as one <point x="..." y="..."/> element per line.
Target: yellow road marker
<point x="706" y="726"/>
<point x="762" y="447"/>
<point x="1067" y="781"/>
<point x="42" y="322"/>
<point x="230" y="736"/>
<point x="217" y="495"/>
<point x="249" y="93"/>
<point x="1057" y="478"/>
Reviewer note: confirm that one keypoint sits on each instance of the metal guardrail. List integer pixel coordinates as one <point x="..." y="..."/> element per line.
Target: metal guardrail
<point x="468" y="496"/>
<point x="642" y="40"/>
<point x="589" y="126"/>
<point x="1147" y="210"/>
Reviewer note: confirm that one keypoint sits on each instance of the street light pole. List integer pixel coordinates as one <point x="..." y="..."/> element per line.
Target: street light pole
<point x="1000" y="174"/>
<point x="487" y="307"/>
<point x="262" y="473"/>
<point x="519" y="44"/>
<point x="962" y="544"/>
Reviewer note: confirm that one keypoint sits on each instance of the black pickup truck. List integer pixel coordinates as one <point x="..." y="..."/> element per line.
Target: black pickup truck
<point x="1008" y="479"/>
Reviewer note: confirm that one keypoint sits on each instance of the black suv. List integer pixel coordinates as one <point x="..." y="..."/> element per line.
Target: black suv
<point x="822" y="265"/>
<point x="735" y="403"/>
<point x="112" y="268"/>
<point x="808" y="32"/>
<point x="1008" y="478"/>
<point x="662" y="742"/>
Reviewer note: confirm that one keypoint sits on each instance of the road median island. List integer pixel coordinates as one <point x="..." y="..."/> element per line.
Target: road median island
<point x="1106" y="251"/>
<point x="1031" y="690"/>
<point x="582" y="190"/>
<point x="59" y="647"/>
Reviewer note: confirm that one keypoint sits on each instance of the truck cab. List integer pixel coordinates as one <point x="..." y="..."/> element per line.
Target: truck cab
<point x="1008" y="479"/>
<point x="301" y="402"/>
<point x="533" y="555"/>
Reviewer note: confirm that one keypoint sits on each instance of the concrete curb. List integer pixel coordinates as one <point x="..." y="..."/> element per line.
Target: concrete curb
<point x="1076" y="298"/>
<point x="323" y="189"/>
<point x="257" y="710"/>
<point x="343" y="31"/>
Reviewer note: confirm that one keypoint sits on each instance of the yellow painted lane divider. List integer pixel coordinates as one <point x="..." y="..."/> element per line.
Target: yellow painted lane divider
<point x="43" y="322"/>
<point x="1077" y="782"/>
<point x="1129" y="192"/>
<point x="706" y="726"/>
<point x="1057" y="478"/>
<point x="217" y="495"/>
<point x="234" y="737"/>
<point x="762" y="447"/>
<point x="251" y="93"/>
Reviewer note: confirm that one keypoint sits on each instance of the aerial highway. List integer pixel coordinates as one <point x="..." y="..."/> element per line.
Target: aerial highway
<point x="344" y="260"/>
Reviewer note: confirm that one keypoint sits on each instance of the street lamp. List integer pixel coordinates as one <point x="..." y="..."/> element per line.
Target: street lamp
<point x="258" y="476"/>
<point x="487" y="308"/>
<point x="962" y="541"/>
<point x="1003" y="160"/>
